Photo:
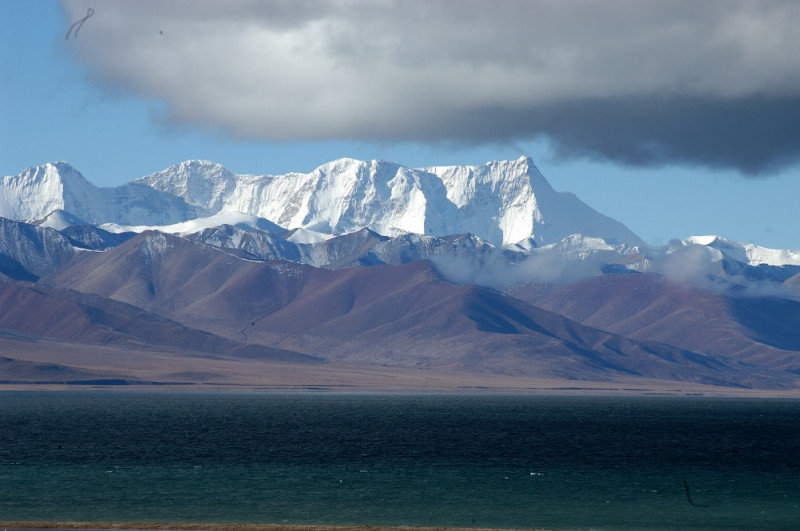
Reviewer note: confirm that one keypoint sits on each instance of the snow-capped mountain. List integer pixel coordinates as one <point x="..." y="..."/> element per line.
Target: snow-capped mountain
<point x="501" y="202"/>
<point x="39" y="192"/>
<point x="747" y="252"/>
<point x="506" y="206"/>
<point x="508" y="202"/>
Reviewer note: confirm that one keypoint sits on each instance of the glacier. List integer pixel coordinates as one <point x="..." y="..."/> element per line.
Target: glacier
<point x="235" y="219"/>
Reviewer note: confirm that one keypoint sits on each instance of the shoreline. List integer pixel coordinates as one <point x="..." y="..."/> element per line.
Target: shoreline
<point x="540" y="388"/>
<point x="200" y="526"/>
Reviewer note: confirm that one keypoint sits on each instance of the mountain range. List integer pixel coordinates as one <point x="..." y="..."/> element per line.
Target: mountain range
<point x="371" y="275"/>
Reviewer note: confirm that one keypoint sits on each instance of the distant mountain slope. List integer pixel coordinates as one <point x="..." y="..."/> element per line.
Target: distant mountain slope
<point x="170" y="275"/>
<point x="91" y="319"/>
<point x="28" y="252"/>
<point x="403" y="316"/>
<point x="762" y="330"/>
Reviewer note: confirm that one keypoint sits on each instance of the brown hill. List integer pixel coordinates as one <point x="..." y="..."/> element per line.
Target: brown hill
<point x="755" y="329"/>
<point x="403" y="316"/>
<point x="170" y="275"/>
<point x="68" y="315"/>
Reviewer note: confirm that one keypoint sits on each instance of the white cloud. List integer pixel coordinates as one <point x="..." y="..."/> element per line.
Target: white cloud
<point x="473" y="71"/>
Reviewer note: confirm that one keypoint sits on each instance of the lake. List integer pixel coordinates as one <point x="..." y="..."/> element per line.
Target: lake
<point x="416" y="460"/>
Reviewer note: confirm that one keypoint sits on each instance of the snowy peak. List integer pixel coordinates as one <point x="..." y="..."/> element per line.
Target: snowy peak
<point x="341" y="196"/>
<point x="507" y="204"/>
<point x="747" y="253"/>
<point x="40" y="190"/>
<point x="495" y="201"/>
<point x="200" y="183"/>
<point x="502" y="202"/>
<point x="516" y="203"/>
<point x="346" y="195"/>
<point x="59" y="193"/>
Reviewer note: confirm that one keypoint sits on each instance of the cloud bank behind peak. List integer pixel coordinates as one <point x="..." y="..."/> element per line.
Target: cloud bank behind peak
<point x="713" y="83"/>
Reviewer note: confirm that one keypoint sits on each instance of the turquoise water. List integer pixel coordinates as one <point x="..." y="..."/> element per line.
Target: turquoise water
<point x="482" y="461"/>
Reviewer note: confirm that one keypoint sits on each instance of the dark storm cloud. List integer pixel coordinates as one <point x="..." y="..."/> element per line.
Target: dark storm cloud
<point x="755" y="135"/>
<point x="712" y="82"/>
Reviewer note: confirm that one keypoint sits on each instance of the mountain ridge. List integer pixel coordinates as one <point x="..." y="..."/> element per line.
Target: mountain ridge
<point x="459" y="273"/>
<point x="37" y="192"/>
<point x="404" y="316"/>
<point x="529" y="214"/>
<point x="497" y="201"/>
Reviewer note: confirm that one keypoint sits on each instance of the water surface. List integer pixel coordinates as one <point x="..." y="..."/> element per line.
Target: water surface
<point x="484" y="461"/>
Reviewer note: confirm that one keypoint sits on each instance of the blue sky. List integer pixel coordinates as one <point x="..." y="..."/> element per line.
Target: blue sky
<point x="70" y="100"/>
